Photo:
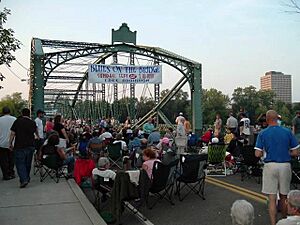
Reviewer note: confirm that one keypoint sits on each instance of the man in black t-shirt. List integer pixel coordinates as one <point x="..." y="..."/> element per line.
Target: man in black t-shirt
<point x="22" y="131"/>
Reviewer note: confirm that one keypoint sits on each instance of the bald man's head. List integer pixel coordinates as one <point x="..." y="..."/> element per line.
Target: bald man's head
<point x="271" y="117"/>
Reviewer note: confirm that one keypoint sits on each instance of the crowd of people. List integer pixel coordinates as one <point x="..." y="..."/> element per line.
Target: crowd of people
<point x="22" y="137"/>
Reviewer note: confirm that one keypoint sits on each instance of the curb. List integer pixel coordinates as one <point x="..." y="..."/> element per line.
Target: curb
<point x="88" y="208"/>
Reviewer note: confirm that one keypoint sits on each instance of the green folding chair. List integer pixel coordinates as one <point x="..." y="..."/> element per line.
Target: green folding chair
<point x="216" y="160"/>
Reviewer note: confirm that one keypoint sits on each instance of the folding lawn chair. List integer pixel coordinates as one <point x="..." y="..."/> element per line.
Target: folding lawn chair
<point x="83" y="170"/>
<point x="115" y="154"/>
<point x="295" y="164"/>
<point x="216" y="160"/>
<point x="96" y="150"/>
<point x="191" y="175"/>
<point x="163" y="180"/>
<point x="249" y="165"/>
<point x="51" y="166"/>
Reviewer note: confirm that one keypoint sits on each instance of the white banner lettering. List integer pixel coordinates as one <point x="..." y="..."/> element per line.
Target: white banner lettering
<point x="112" y="74"/>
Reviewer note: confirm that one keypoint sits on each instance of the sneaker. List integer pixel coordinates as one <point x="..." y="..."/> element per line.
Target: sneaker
<point x="23" y="185"/>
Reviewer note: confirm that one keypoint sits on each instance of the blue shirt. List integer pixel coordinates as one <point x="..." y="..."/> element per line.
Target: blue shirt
<point x="277" y="142"/>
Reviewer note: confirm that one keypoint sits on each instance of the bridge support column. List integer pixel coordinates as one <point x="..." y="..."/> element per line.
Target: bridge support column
<point x="196" y="95"/>
<point x="38" y="77"/>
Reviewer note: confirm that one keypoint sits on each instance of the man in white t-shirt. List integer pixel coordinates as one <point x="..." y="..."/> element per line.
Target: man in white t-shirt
<point x="180" y="119"/>
<point x="6" y="155"/>
<point x="244" y="127"/>
<point x="40" y="128"/>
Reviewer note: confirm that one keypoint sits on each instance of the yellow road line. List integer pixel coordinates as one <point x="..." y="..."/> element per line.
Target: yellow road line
<point x="242" y="191"/>
<point x="237" y="187"/>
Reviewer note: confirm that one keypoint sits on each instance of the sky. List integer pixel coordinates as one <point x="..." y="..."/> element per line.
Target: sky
<point x="236" y="41"/>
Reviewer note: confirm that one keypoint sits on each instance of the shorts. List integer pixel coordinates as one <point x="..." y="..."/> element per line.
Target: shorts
<point x="276" y="177"/>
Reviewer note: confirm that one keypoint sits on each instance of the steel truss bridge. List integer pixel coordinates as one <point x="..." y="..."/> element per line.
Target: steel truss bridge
<point x="59" y="75"/>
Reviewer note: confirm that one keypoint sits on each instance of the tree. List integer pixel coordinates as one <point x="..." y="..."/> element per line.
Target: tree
<point x="178" y="103"/>
<point x="8" y="42"/>
<point x="14" y="102"/>
<point x="214" y="102"/>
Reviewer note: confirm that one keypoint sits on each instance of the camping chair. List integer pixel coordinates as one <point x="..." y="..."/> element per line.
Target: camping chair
<point x="181" y="144"/>
<point x="115" y="154"/>
<point x="123" y="193"/>
<point x="191" y="174"/>
<point x="101" y="187"/>
<point x="295" y="164"/>
<point x="249" y="165"/>
<point x="163" y="179"/>
<point x="83" y="171"/>
<point x="50" y="166"/>
<point x="216" y="160"/>
<point x="96" y="150"/>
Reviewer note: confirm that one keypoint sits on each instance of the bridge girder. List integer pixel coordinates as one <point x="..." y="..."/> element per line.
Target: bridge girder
<point x="50" y="61"/>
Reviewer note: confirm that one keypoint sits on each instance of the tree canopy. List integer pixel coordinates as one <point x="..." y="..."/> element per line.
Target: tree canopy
<point x="8" y="42"/>
<point x="14" y="102"/>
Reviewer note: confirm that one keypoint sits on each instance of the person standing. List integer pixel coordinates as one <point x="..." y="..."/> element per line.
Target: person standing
<point x="187" y="126"/>
<point x="179" y="118"/>
<point x="40" y="127"/>
<point x="22" y="131"/>
<point x="60" y="129"/>
<point x="296" y="126"/>
<point x="278" y="144"/>
<point x="218" y="125"/>
<point x="6" y="155"/>
<point x="49" y="126"/>
<point x="245" y="127"/>
<point x="232" y="123"/>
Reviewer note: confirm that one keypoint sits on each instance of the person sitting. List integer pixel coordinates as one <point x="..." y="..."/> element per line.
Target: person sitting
<point x="135" y="142"/>
<point x="103" y="170"/>
<point x="83" y="145"/>
<point x="293" y="207"/>
<point x="106" y="136"/>
<point x="234" y="146"/>
<point x="149" y="157"/>
<point x="50" y="148"/>
<point x="207" y="136"/>
<point x="228" y="136"/>
<point x="148" y="128"/>
<point x="154" y="137"/>
<point x="119" y="138"/>
<point x="242" y="213"/>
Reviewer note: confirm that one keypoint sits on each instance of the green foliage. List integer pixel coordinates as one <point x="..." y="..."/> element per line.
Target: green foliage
<point x="253" y="102"/>
<point x="14" y="102"/>
<point x="213" y="102"/>
<point x="8" y="42"/>
<point x="178" y="103"/>
<point x="144" y="106"/>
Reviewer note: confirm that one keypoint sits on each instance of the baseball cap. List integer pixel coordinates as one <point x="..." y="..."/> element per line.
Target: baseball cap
<point x="180" y="113"/>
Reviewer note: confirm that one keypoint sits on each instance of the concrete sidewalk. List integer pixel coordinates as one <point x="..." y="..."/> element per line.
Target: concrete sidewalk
<point x="46" y="203"/>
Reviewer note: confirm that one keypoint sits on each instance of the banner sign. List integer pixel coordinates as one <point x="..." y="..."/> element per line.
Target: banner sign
<point x="113" y="74"/>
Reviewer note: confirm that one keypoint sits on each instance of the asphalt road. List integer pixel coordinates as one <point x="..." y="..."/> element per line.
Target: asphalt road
<point x="214" y="210"/>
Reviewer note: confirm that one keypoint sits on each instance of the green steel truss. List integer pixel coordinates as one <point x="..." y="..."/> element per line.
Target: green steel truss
<point x="60" y="65"/>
